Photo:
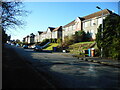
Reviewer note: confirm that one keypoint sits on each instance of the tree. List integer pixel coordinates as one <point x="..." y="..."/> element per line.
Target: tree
<point x="111" y="37"/>
<point x="11" y="11"/>
<point x="79" y="36"/>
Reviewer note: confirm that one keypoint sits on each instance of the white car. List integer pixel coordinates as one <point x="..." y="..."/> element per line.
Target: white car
<point x="37" y="48"/>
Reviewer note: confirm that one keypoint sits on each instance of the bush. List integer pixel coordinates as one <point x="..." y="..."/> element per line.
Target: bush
<point x="59" y="40"/>
<point x="54" y="40"/>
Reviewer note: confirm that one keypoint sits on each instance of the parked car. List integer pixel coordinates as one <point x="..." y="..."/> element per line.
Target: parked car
<point x="31" y="46"/>
<point x="37" y="48"/>
<point x="12" y="44"/>
<point x="17" y="45"/>
<point x="25" y="46"/>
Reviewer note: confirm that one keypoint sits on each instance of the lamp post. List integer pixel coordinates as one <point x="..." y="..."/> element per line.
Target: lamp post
<point x="101" y="31"/>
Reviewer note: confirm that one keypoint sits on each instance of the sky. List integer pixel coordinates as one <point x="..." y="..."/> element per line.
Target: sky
<point x="55" y="14"/>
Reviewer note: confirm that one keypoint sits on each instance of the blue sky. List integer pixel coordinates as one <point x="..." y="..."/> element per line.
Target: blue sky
<point x="54" y="14"/>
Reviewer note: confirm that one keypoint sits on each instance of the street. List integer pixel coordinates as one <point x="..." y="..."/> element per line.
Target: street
<point x="65" y="71"/>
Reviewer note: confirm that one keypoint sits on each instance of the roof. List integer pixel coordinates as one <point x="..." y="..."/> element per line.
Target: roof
<point x="40" y="32"/>
<point x="43" y="33"/>
<point x="58" y="28"/>
<point x="96" y="14"/>
<point x="69" y="24"/>
<point x="51" y="28"/>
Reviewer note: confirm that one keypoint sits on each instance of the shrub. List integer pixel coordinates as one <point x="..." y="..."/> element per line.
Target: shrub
<point x="54" y="40"/>
<point x="59" y="40"/>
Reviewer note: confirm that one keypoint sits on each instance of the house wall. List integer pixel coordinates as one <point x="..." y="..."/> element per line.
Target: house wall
<point x="91" y="25"/>
<point x="36" y="38"/>
<point x="31" y="39"/>
<point x="54" y="34"/>
<point x="71" y="29"/>
<point x="48" y="34"/>
<point x="42" y="37"/>
<point x="28" y="40"/>
<point x="59" y="34"/>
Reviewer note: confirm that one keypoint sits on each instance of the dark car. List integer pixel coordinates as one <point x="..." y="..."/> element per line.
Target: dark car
<point x="37" y="48"/>
<point x="25" y="46"/>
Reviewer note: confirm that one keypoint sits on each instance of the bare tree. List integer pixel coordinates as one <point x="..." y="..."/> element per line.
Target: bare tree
<point x="10" y="16"/>
<point x="11" y="11"/>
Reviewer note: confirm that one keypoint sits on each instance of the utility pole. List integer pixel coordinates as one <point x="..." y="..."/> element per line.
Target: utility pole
<point x="101" y="31"/>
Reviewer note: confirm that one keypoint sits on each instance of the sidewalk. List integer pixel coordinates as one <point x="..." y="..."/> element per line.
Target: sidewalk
<point x="18" y="74"/>
<point x="108" y="62"/>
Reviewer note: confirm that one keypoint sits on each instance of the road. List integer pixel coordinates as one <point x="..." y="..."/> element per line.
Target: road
<point x="69" y="72"/>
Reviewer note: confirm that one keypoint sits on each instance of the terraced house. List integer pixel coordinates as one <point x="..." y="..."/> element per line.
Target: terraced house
<point x="70" y="28"/>
<point x="57" y="33"/>
<point x="49" y="32"/>
<point x="89" y="24"/>
<point x="37" y="37"/>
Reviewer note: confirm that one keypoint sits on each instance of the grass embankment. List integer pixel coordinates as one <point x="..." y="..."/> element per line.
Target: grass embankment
<point x="78" y="48"/>
<point x="50" y="46"/>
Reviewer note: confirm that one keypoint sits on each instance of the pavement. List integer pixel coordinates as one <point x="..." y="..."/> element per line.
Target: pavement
<point x="16" y="73"/>
<point x="104" y="61"/>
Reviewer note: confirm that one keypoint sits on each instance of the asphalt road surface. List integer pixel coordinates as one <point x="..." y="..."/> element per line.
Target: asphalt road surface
<point x="69" y="72"/>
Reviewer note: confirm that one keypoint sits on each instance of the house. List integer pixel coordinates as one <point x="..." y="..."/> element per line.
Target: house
<point x="89" y="24"/>
<point x="70" y="28"/>
<point x="37" y="37"/>
<point x="26" y="39"/>
<point x="42" y="36"/>
<point x="31" y="38"/>
<point x="57" y="33"/>
<point x="49" y="32"/>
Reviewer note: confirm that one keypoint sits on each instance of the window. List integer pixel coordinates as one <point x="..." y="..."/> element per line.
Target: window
<point x="83" y="25"/>
<point x="70" y="27"/>
<point x="86" y="24"/>
<point x="99" y="21"/>
<point x="92" y="32"/>
<point x="92" y="22"/>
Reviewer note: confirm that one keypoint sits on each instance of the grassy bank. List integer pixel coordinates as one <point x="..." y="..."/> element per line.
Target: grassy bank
<point x="78" y="48"/>
<point x="50" y="46"/>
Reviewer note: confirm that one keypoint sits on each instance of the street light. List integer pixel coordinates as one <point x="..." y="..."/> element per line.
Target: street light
<point x="101" y="31"/>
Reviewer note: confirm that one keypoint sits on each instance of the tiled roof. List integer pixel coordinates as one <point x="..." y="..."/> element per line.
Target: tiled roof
<point x="69" y="24"/>
<point x="96" y="14"/>
<point x="58" y="28"/>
